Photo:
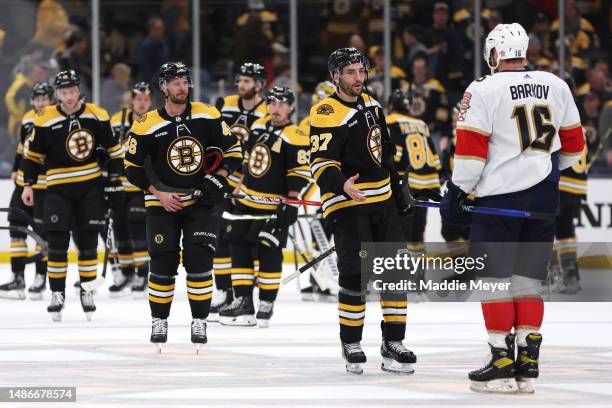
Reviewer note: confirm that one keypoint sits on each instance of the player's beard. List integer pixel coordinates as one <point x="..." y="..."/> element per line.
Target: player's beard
<point x="248" y="95"/>
<point x="178" y="99"/>
<point x="350" y="89"/>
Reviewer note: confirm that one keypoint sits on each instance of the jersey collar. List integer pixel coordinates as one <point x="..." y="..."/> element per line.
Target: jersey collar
<point x="183" y="116"/>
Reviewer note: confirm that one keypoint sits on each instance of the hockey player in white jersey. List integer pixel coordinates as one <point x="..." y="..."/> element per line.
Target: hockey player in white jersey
<point x="516" y="130"/>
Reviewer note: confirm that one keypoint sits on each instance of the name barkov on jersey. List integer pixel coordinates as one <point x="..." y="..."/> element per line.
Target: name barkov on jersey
<point x="446" y="285"/>
<point x="522" y="91"/>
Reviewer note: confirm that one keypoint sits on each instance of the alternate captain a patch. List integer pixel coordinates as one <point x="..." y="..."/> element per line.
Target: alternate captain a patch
<point x="185" y="156"/>
<point x="375" y="143"/>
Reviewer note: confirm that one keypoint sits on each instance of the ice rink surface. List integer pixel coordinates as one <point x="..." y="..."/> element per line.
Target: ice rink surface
<point x="296" y="362"/>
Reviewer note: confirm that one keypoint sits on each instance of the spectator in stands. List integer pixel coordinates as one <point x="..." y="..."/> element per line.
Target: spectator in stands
<point x="356" y="41"/>
<point x="252" y="42"/>
<point x="399" y="79"/>
<point x="535" y="58"/>
<point x="444" y="52"/>
<point x="114" y="87"/>
<point x="463" y="19"/>
<point x="541" y="30"/>
<point x="51" y="26"/>
<point x="177" y="18"/>
<point x="412" y="46"/>
<point x="77" y="56"/>
<point x="153" y="51"/>
<point x="599" y="84"/>
<point x="580" y="32"/>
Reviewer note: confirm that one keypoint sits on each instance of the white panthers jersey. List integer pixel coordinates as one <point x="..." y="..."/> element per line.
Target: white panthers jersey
<point x="508" y="126"/>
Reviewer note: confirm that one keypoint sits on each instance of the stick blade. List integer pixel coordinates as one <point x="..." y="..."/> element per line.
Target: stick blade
<point x="94" y="284"/>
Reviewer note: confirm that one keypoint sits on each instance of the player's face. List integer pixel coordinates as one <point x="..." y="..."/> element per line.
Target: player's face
<point x="141" y="103"/>
<point x="352" y="79"/>
<point x="178" y="90"/>
<point x="69" y="97"/>
<point x="40" y="102"/>
<point x="247" y="87"/>
<point x="279" y="111"/>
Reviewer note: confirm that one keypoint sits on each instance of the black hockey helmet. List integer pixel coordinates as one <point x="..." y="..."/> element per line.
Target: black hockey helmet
<point x="253" y="70"/>
<point x="42" y="89"/>
<point x="172" y="70"/>
<point x="141" y="87"/>
<point x="66" y="79"/>
<point x="400" y="100"/>
<point x="346" y="56"/>
<point x="280" y="94"/>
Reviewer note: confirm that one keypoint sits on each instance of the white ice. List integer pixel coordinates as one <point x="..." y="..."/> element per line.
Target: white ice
<point x="296" y="362"/>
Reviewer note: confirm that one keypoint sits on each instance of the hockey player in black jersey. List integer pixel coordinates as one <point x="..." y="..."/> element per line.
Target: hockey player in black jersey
<point x="41" y="97"/>
<point x="188" y="146"/>
<point x="65" y="138"/>
<point x="352" y="162"/>
<point x="239" y="111"/>
<point x="275" y="165"/>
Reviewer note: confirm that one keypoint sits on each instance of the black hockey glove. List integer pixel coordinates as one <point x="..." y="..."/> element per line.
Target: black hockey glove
<point x="212" y="189"/>
<point x="426" y="194"/>
<point x="451" y="206"/>
<point x="114" y="193"/>
<point x="274" y="232"/>
<point x="403" y="198"/>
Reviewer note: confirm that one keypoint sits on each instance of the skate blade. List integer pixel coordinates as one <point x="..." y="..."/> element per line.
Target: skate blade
<point x="354" y="368"/>
<point x="56" y="316"/>
<point x="118" y="294"/>
<point x="13" y="294"/>
<point x="526" y="385"/>
<point x="501" y="386"/>
<point x="139" y="294"/>
<point x="213" y="317"/>
<point x="238" y="321"/>
<point x="392" y="366"/>
<point x="263" y="323"/>
<point x="159" y="347"/>
<point x="89" y="316"/>
<point x="197" y="347"/>
<point x="36" y="295"/>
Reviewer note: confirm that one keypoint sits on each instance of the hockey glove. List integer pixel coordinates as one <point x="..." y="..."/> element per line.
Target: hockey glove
<point x="451" y="206"/>
<point x="212" y="189"/>
<point x="403" y="198"/>
<point x="274" y="232"/>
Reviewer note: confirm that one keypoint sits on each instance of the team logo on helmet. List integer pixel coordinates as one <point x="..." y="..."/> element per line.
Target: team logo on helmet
<point x="241" y="132"/>
<point x="185" y="156"/>
<point x="260" y="160"/>
<point x="375" y="143"/>
<point x="80" y="144"/>
<point x="325" y="109"/>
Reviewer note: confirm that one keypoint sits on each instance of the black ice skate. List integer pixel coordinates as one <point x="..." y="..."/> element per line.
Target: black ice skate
<point x="499" y="374"/>
<point x="527" y="363"/>
<point x="198" y="333"/>
<point x="56" y="306"/>
<point x="37" y="288"/>
<point x="396" y="357"/>
<point x="221" y="300"/>
<point x="240" y="312"/>
<point x="87" y="302"/>
<point x="139" y="287"/>
<point x="264" y="313"/>
<point x="14" y="289"/>
<point x="354" y="357"/>
<point x="121" y="285"/>
<point x="159" y="332"/>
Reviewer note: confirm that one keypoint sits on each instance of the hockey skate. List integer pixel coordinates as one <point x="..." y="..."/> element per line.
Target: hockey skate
<point x="159" y="332"/>
<point x="77" y="288"/>
<point x="198" y="333"/>
<point x="240" y="312"/>
<point x="87" y="302"/>
<point x="264" y="313"/>
<point x="221" y="300"/>
<point x="37" y="288"/>
<point x="14" y="289"/>
<point x="139" y="287"/>
<point x="120" y="286"/>
<point x="498" y="376"/>
<point x="56" y="306"/>
<point x="396" y="357"/>
<point x="527" y="363"/>
<point x="354" y="357"/>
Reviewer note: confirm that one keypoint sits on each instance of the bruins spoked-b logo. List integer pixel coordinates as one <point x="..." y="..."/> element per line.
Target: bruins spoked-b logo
<point x="259" y="160"/>
<point x="185" y="155"/>
<point x="375" y="143"/>
<point x="80" y="144"/>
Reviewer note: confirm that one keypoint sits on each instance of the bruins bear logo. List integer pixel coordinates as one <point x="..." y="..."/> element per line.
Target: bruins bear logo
<point x="325" y="109"/>
<point x="185" y="156"/>
<point x="80" y="144"/>
<point x="259" y="160"/>
<point x="375" y="143"/>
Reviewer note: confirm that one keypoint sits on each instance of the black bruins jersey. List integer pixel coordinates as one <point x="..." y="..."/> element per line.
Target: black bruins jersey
<point x="240" y="121"/>
<point x="415" y="152"/>
<point x="116" y="126"/>
<point x="276" y="162"/>
<point x="67" y="146"/>
<point x="347" y="138"/>
<point x="573" y="180"/>
<point x="180" y="148"/>
<point x="430" y="104"/>
<point x="25" y="134"/>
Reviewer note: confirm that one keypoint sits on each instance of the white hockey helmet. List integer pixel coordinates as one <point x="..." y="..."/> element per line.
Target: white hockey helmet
<point x="509" y="40"/>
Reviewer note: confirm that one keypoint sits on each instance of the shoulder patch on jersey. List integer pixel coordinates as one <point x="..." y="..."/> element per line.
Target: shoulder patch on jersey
<point x="148" y="121"/>
<point x="325" y="109"/>
<point x="465" y="105"/>
<point x="142" y="118"/>
<point x="204" y="110"/>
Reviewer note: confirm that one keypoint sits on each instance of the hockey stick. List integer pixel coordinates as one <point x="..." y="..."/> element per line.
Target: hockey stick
<point x="600" y="146"/>
<point x="108" y="246"/>
<point x="494" y="211"/>
<point x="25" y="217"/>
<point x="274" y="200"/>
<point x="249" y="217"/>
<point x="309" y="265"/>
